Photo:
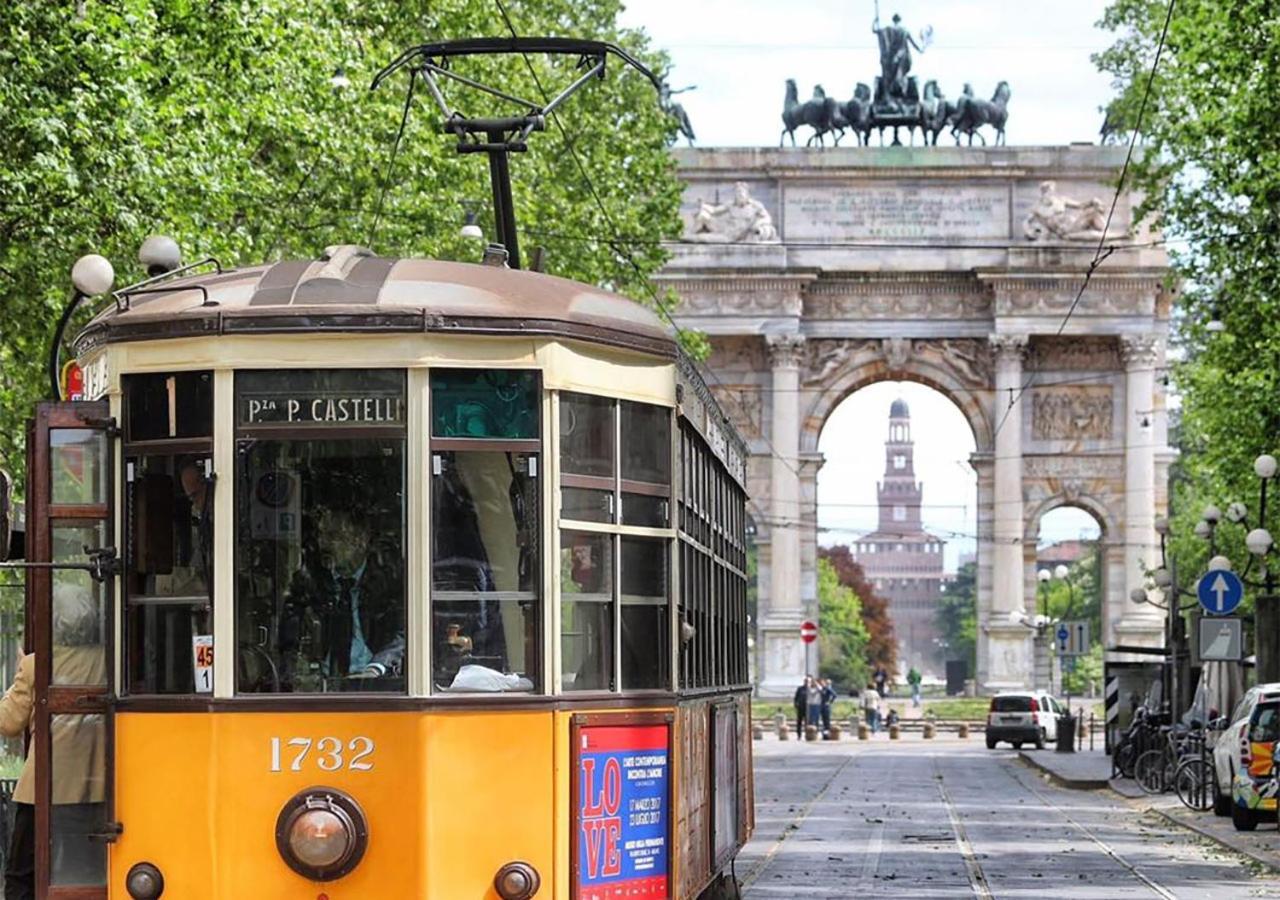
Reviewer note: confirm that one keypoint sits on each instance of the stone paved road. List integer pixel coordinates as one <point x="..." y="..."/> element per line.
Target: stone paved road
<point x="950" y="818"/>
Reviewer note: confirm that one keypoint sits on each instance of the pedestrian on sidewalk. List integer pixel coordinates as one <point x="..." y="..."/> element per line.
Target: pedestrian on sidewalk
<point x="881" y="679"/>
<point x="828" y="697"/>
<point x="913" y="679"/>
<point x="814" y="701"/>
<point x="801" y="702"/>
<point x="871" y="708"/>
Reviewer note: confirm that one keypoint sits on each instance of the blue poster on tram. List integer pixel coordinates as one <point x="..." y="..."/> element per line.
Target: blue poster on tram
<point x="624" y="796"/>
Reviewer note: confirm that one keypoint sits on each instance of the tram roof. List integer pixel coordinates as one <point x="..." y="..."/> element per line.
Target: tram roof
<point x="349" y="289"/>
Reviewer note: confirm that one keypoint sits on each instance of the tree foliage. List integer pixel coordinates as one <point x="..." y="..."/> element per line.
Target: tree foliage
<point x="882" y="646"/>
<point x="958" y="616"/>
<point x="215" y="122"/>
<point x="1210" y="170"/>
<point x="842" y="634"/>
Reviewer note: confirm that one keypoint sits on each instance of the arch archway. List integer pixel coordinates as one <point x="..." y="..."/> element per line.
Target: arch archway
<point x="897" y="488"/>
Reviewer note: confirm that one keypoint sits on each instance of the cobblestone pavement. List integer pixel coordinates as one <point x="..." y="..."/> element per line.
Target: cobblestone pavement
<point x="950" y="818"/>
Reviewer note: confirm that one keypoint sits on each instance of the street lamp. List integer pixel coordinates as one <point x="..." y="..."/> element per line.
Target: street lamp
<point x="1260" y="544"/>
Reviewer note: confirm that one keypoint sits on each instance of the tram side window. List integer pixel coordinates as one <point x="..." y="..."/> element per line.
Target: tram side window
<point x="320" y="531"/>
<point x="713" y="569"/>
<point x="614" y="585"/>
<point x="168" y="571"/>
<point x="485" y="530"/>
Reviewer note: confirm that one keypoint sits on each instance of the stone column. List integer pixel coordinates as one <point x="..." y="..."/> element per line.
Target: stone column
<point x="1140" y="624"/>
<point x="1008" y="642"/>
<point x="784" y="654"/>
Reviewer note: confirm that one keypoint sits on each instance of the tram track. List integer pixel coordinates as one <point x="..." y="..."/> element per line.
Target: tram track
<point x="1158" y="889"/>
<point x="973" y="868"/>
<point x="794" y="824"/>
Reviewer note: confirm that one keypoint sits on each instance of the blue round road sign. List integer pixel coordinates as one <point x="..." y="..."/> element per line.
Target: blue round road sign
<point x="1063" y="635"/>
<point x="1220" y="592"/>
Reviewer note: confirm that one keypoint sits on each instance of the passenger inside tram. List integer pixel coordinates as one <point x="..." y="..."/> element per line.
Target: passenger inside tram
<point x="344" y="612"/>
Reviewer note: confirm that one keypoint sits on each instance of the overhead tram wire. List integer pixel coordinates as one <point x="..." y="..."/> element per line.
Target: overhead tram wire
<point x="613" y="228"/>
<point x="1099" y="255"/>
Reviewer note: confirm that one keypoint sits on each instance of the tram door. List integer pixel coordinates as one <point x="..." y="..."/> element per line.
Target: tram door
<point x="69" y="612"/>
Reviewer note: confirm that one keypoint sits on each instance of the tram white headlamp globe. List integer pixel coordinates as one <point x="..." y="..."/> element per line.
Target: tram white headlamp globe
<point x="1265" y="466"/>
<point x="160" y="253"/>
<point x="93" y="275"/>
<point x="1258" y="541"/>
<point x="1044" y="575"/>
<point x="1061" y="571"/>
<point x="1219" y="563"/>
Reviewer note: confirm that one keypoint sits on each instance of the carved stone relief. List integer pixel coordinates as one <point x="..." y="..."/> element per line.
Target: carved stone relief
<point x="749" y="301"/>
<point x="1072" y="413"/>
<point x="970" y="358"/>
<point x="1075" y="354"/>
<point x="897" y="306"/>
<point x="744" y="354"/>
<point x="898" y="351"/>
<point x="827" y="356"/>
<point x="1057" y="217"/>
<point x="1073" y="467"/>
<point x="786" y="351"/>
<point x="742" y="220"/>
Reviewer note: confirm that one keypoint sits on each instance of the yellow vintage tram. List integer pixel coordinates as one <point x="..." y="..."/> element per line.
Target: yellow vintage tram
<point x="405" y="578"/>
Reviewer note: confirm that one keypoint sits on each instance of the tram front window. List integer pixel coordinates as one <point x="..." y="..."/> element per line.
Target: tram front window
<point x="486" y="566"/>
<point x="168" y="577"/>
<point x="320" y="515"/>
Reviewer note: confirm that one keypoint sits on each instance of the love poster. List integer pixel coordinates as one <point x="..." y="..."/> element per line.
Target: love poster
<point x="623" y="796"/>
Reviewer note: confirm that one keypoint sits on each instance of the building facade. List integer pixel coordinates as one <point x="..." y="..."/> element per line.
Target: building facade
<point x="900" y="558"/>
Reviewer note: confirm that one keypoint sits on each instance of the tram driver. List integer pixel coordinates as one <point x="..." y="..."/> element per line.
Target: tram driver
<point x="343" y="619"/>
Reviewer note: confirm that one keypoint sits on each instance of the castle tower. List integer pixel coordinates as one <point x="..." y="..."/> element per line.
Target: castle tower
<point x="900" y="558"/>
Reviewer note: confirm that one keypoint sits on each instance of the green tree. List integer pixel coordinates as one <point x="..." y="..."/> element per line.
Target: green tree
<point x="958" y="616"/>
<point x="1210" y="171"/>
<point x="842" y="637"/>
<point x="216" y="122"/>
<point x="1077" y="598"/>
<point x="882" y="645"/>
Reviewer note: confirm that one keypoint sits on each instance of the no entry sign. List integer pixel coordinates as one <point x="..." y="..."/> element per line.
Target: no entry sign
<point x="808" y="632"/>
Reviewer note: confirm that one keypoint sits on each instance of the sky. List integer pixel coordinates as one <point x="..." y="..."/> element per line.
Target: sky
<point x="739" y="53"/>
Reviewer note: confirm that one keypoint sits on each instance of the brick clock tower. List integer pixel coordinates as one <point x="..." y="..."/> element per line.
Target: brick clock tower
<point x="900" y="558"/>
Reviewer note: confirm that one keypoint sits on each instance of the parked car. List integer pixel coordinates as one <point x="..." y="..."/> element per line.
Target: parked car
<point x="1023" y="717"/>
<point x="1235" y="789"/>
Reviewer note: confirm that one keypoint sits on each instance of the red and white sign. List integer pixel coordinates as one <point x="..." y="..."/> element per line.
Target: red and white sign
<point x="808" y="632"/>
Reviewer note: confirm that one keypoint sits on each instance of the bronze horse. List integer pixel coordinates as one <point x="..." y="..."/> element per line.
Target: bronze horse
<point x="971" y="114"/>
<point x="935" y="112"/>
<point x="819" y="113"/>
<point x="855" y="115"/>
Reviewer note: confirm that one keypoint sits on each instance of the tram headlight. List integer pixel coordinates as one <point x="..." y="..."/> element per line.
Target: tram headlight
<point x="322" y="833"/>
<point x="517" y="881"/>
<point x="92" y="275"/>
<point x="144" y="882"/>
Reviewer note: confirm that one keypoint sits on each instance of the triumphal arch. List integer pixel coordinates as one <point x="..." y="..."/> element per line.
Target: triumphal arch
<point x="818" y="272"/>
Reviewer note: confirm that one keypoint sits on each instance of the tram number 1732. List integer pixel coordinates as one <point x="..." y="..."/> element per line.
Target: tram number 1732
<point x="330" y="754"/>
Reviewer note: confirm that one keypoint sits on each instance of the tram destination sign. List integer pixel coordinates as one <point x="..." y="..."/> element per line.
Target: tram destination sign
<point x="323" y="409"/>
<point x="622" y="815"/>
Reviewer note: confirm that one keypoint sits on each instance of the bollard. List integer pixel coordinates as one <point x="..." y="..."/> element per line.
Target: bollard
<point x="894" y="732"/>
<point x="779" y="720"/>
<point x="862" y="732"/>
<point x="811" y="732"/>
<point x="963" y="731"/>
<point x="784" y="733"/>
<point x="757" y="733"/>
<point x="833" y="733"/>
<point x="928" y="731"/>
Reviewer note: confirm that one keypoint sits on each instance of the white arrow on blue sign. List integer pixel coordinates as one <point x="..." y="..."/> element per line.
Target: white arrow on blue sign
<point x="1220" y="592"/>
